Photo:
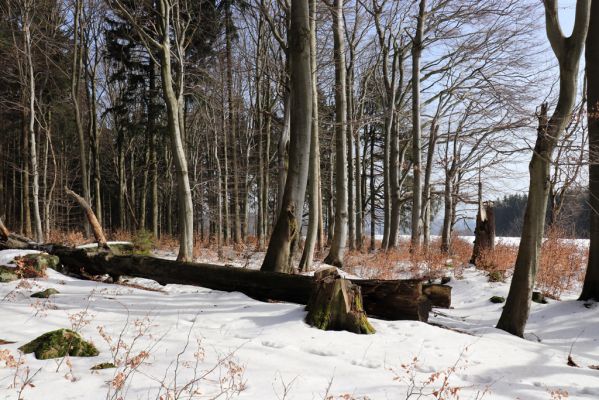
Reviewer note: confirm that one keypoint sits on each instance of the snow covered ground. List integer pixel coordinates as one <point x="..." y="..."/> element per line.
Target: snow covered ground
<point x="176" y="340"/>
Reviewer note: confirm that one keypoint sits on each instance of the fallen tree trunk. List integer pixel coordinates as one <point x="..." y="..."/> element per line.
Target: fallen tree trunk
<point x="391" y="300"/>
<point x="385" y="299"/>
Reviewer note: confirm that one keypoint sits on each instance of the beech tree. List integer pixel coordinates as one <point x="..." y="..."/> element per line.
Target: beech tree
<point x="285" y="233"/>
<point x="567" y="50"/>
<point x="590" y="289"/>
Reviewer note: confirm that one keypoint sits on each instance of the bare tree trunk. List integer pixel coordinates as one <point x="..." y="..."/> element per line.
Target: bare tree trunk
<point x="25" y="207"/>
<point x="313" y="179"/>
<point x="39" y="234"/>
<point x="337" y="250"/>
<point x="75" y="80"/>
<point x="232" y="123"/>
<point x="285" y="234"/>
<point x="262" y="161"/>
<point x="567" y="51"/>
<point x="350" y="145"/>
<point x="283" y="151"/>
<point x="590" y="289"/>
<point x="372" y="193"/>
<point x="173" y="106"/>
<point x="426" y="206"/>
<point x="266" y="178"/>
<point x="416" y="128"/>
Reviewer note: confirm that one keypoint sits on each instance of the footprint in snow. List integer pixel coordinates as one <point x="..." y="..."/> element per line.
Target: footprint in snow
<point x="320" y="352"/>
<point x="274" y="345"/>
<point x="366" y="363"/>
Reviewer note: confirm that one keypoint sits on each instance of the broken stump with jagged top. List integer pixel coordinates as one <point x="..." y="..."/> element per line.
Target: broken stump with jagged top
<point x="336" y="304"/>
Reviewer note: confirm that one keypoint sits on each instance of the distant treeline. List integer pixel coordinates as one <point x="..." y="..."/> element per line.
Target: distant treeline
<point x="572" y="217"/>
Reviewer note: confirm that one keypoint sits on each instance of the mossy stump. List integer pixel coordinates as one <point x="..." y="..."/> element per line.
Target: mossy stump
<point x="59" y="343"/>
<point x="44" y="294"/>
<point x="336" y="304"/>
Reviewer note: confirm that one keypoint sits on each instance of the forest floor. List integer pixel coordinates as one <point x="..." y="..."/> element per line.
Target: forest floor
<point x="186" y="342"/>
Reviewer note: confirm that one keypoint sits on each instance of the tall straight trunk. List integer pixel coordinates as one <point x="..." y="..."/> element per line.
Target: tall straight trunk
<point x="426" y="205"/>
<point x="567" y="51"/>
<point x="232" y="123"/>
<point x="349" y="84"/>
<point x="286" y="231"/>
<point x="337" y="250"/>
<point x="416" y="129"/>
<point x="372" y="192"/>
<point x="260" y="233"/>
<point x="265" y="172"/>
<point x="144" y="189"/>
<point x="122" y="178"/>
<point x="226" y="225"/>
<point x="283" y="150"/>
<point x="173" y="106"/>
<point x="37" y="219"/>
<point x="447" y="209"/>
<point x="590" y="289"/>
<point x="153" y="149"/>
<point x="75" y="80"/>
<point x="358" y="180"/>
<point x="93" y="133"/>
<point x="26" y="208"/>
<point x="219" y="201"/>
<point x="313" y="179"/>
<point x="50" y="191"/>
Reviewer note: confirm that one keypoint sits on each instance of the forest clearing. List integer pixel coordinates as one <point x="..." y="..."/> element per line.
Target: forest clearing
<point x="299" y="199"/>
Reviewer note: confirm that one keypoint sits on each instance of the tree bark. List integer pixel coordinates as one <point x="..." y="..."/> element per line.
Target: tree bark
<point x="37" y="219"/>
<point x="590" y="289"/>
<point x="567" y="50"/>
<point x="173" y="106"/>
<point x="285" y="234"/>
<point x="337" y="250"/>
<point x="313" y="179"/>
<point x="416" y="129"/>
<point x="75" y="80"/>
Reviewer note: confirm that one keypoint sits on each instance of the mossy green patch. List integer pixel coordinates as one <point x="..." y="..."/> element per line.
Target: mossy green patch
<point x="497" y="299"/>
<point x="7" y="274"/>
<point x="59" y="343"/>
<point x="44" y="294"/>
<point x="104" y="365"/>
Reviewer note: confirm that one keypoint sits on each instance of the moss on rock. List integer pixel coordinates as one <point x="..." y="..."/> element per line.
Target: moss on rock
<point x="497" y="299"/>
<point x="104" y="365"/>
<point x="44" y="294"/>
<point x="7" y="274"/>
<point x="59" y="343"/>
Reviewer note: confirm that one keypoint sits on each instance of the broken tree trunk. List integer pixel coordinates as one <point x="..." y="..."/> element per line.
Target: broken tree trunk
<point x="91" y="217"/>
<point x="4" y="233"/>
<point x="439" y="295"/>
<point x="336" y="304"/>
<point x="484" y="233"/>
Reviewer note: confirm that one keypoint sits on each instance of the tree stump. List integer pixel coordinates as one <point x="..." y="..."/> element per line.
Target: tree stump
<point x="484" y="233"/>
<point x="336" y="304"/>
